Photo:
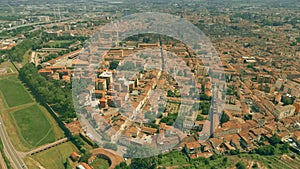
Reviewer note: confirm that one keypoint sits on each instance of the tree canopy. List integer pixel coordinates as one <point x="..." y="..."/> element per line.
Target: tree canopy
<point x="225" y="118"/>
<point x="49" y="91"/>
<point x="113" y="64"/>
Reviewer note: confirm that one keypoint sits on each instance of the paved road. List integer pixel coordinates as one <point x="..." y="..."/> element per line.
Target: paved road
<point x="33" y="24"/>
<point x="162" y="54"/>
<point x="9" y="149"/>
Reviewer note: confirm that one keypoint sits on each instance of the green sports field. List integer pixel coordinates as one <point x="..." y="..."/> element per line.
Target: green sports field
<point x="100" y="163"/>
<point x="34" y="127"/>
<point x="14" y="92"/>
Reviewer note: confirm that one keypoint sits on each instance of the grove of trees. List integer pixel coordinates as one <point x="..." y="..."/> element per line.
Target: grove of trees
<point x="49" y="91"/>
<point x="17" y="52"/>
<point x="113" y="65"/>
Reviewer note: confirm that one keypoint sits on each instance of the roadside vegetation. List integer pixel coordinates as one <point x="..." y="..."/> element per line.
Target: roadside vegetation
<point x="7" y="162"/>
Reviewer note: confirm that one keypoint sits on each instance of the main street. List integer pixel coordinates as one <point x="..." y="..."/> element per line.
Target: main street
<point x="9" y="149"/>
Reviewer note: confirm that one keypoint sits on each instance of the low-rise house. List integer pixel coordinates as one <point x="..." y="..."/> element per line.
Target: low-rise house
<point x="258" y="133"/>
<point x="46" y="72"/>
<point x="248" y="125"/>
<point x="283" y="135"/>
<point x="228" y="146"/>
<point x="75" y="156"/>
<point x="74" y="127"/>
<point x="271" y="128"/>
<point x="83" y="165"/>
<point x="284" y="111"/>
<point x="287" y="122"/>
<point x="188" y="124"/>
<point x="192" y="147"/>
<point x="148" y="130"/>
<point x="245" y="142"/>
<point x="296" y="137"/>
<point x="78" y="62"/>
<point x="233" y="140"/>
<point x="230" y="127"/>
<point x="216" y="144"/>
<point x="202" y="154"/>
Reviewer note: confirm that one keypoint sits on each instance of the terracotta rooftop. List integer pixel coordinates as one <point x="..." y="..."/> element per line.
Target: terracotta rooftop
<point x="74" y="127"/>
<point x="149" y="130"/>
<point x="191" y="145"/>
<point x="297" y="135"/>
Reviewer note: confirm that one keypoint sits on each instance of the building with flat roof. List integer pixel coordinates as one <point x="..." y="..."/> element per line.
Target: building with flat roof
<point x="284" y="111"/>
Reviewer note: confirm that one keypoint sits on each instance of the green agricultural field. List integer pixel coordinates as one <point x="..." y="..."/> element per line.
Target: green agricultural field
<point x="100" y="163"/>
<point x="52" y="158"/>
<point x="33" y="126"/>
<point x="180" y="160"/>
<point x="14" y="92"/>
<point x="174" y="158"/>
<point x="274" y="161"/>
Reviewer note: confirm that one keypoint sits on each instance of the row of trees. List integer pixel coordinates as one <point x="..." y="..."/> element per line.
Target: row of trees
<point x="224" y="118"/>
<point x="45" y="37"/>
<point x="16" y="31"/>
<point x="52" y="56"/>
<point x="272" y="150"/>
<point x="170" y="119"/>
<point x="58" y="95"/>
<point x="176" y="158"/>
<point x="55" y="93"/>
<point x="203" y="105"/>
<point x="20" y="30"/>
<point x="175" y="93"/>
<point x="275" y="147"/>
<point x="287" y="100"/>
<point x="60" y="44"/>
<point x="6" y="160"/>
<point x="17" y="52"/>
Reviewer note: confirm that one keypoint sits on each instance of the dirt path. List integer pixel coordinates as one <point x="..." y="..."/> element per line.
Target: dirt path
<point x="36" y="163"/>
